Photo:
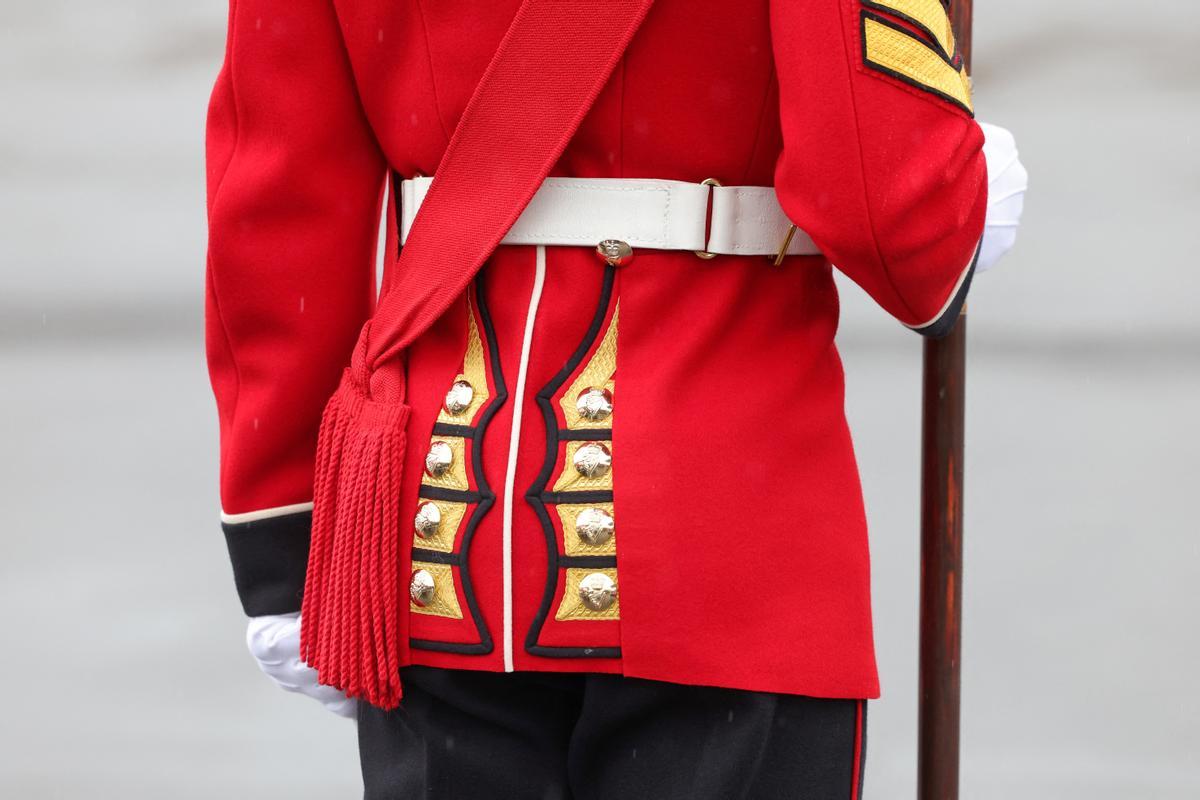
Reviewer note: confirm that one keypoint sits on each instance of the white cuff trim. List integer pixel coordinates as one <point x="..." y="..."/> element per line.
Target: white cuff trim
<point x="953" y="292"/>
<point x="265" y="513"/>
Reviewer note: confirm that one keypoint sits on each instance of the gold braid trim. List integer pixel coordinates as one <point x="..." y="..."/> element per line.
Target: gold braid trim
<point x="456" y="476"/>
<point x="452" y="516"/>
<point x="599" y="373"/>
<point x="474" y="372"/>
<point x="445" y="600"/>
<point x="572" y="607"/>
<point x="572" y="544"/>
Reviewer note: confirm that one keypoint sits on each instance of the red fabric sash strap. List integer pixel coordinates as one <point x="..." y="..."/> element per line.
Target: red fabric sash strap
<point x="554" y="60"/>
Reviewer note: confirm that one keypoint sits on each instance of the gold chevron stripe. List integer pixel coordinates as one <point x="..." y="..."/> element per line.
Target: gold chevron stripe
<point x="927" y="14"/>
<point x="906" y="57"/>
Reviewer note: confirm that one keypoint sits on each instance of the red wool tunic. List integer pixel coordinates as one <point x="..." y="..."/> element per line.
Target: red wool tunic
<point x="682" y="448"/>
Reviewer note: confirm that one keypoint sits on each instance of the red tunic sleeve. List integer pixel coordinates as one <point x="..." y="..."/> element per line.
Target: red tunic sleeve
<point x="882" y="161"/>
<point x="295" y="181"/>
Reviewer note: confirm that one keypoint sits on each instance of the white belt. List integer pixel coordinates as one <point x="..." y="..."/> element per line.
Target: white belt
<point x="654" y="214"/>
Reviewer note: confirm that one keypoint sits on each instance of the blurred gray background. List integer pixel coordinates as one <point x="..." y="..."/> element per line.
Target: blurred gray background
<point x="122" y="657"/>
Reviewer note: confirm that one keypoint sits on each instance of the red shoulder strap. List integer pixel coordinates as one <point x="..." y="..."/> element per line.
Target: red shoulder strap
<point x="546" y="74"/>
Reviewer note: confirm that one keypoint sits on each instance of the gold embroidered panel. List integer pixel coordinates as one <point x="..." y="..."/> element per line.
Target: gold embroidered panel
<point x="572" y="544"/>
<point x="598" y="372"/>
<point x="445" y="600"/>
<point x="572" y="606"/>
<point x="474" y="372"/>
<point x="456" y="476"/>
<point x="571" y="480"/>
<point x="904" y="56"/>
<point x="452" y="516"/>
<point x="928" y="15"/>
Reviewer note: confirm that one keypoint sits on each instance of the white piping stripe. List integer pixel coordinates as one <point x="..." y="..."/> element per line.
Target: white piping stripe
<point x="514" y="440"/>
<point x="958" y="284"/>
<point x="265" y="513"/>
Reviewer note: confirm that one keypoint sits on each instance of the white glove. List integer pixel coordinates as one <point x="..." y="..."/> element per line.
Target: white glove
<point x="1007" y="181"/>
<point x="274" y="641"/>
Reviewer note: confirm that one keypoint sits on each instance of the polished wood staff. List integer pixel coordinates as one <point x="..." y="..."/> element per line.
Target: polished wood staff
<point x="942" y="420"/>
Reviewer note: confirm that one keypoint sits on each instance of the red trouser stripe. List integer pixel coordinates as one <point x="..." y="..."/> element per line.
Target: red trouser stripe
<point x="856" y="781"/>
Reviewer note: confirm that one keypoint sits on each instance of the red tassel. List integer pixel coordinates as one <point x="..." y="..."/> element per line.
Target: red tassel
<point x="350" y="631"/>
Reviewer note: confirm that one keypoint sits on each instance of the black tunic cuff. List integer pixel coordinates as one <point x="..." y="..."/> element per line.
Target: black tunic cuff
<point x="270" y="558"/>
<point x="946" y="320"/>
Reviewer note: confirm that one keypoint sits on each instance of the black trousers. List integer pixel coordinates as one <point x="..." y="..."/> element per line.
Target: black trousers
<point x="461" y="735"/>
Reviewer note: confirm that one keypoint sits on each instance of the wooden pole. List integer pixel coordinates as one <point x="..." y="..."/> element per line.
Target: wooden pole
<point x="943" y="406"/>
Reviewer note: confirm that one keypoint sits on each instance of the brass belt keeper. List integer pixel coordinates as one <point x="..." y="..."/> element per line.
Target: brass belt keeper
<point x="783" y="248"/>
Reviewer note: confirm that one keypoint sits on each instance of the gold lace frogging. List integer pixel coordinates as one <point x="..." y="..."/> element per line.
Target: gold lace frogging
<point x="599" y="373"/>
<point x="445" y="599"/>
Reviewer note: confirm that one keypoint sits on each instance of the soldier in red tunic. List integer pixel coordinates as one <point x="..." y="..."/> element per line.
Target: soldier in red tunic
<point x="633" y="553"/>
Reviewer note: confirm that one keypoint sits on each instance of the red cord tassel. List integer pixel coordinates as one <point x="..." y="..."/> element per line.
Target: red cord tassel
<point x="351" y="616"/>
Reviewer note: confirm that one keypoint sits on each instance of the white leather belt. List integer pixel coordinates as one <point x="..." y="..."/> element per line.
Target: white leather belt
<point x="654" y="214"/>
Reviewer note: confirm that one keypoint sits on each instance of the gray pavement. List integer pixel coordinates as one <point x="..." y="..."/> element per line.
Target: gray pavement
<point x="122" y="649"/>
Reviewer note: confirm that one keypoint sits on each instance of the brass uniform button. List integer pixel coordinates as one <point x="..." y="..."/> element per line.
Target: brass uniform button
<point x="614" y="252"/>
<point x="594" y="526"/>
<point x="598" y="591"/>
<point x="594" y="403"/>
<point x="592" y="460"/>
<point x="421" y="588"/>
<point x="459" y="398"/>
<point x="428" y="520"/>
<point x="439" y="459"/>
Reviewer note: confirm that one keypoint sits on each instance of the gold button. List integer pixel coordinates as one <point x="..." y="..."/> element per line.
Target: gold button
<point x="598" y="591"/>
<point x="592" y="460"/>
<point x="422" y="588"/>
<point x="439" y="459"/>
<point x="614" y="252"/>
<point x="594" y="403"/>
<point x="428" y="520"/>
<point x="459" y="398"/>
<point x="594" y="526"/>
